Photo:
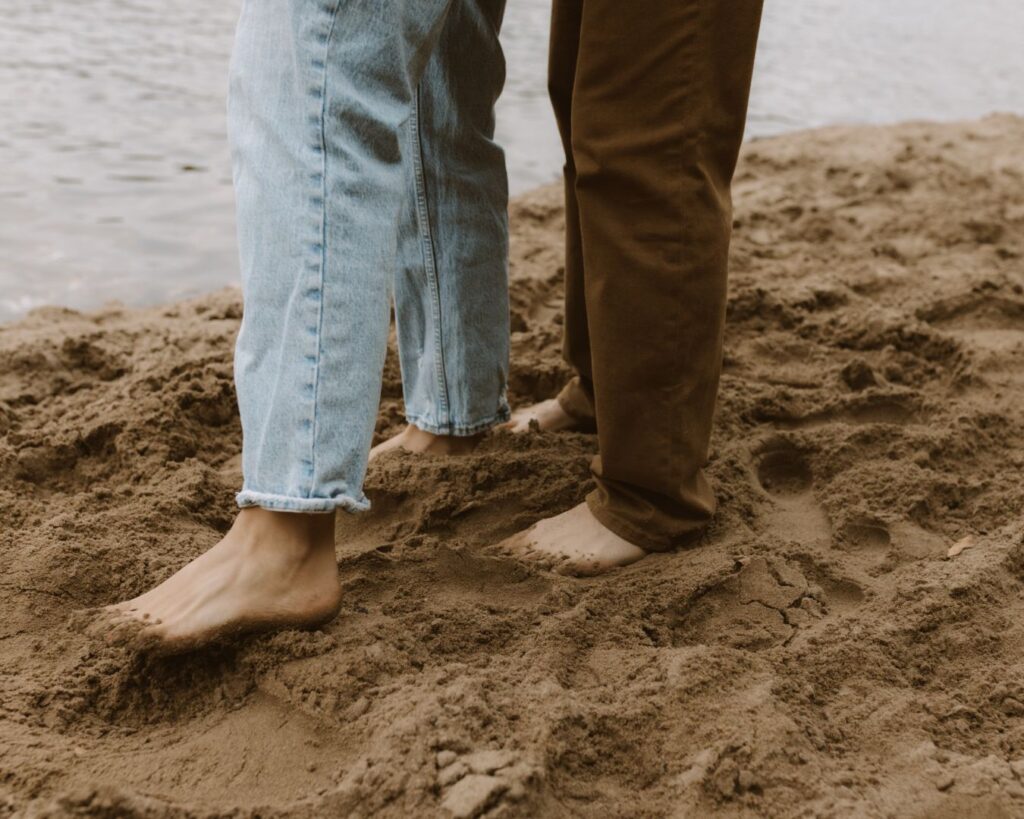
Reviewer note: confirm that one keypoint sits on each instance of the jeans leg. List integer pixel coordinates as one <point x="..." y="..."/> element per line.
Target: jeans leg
<point x="451" y="294"/>
<point x="320" y="94"/>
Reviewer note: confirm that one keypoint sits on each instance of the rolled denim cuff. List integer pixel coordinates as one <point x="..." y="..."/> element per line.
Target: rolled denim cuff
<point x="287" y="503"/>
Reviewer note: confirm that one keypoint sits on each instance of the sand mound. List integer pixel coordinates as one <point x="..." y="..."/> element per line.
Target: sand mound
<point x="819" y="654"/>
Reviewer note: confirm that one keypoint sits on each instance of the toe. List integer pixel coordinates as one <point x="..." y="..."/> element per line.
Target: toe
<point x="515" y="546"/>
<point x="151" y="638"/>
<point x="526" y="549"/>
<point x="517" y="424"/>
<point x="538" y="557"/>
<point x="122" y="633"/>
<point x="521" y="547"/>
<point x="566" y="567"/>
<point x="102" y="620"/>
<point x="119" y="612"/>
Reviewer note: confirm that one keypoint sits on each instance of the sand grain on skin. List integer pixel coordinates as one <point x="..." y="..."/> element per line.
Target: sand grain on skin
<point x="819" y="654"/>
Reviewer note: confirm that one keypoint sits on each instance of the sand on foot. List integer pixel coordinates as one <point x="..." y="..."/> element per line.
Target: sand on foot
<point x="573" y="542"/>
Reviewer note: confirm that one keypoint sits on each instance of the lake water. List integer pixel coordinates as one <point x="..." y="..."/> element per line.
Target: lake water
<point x="115" y="180"/>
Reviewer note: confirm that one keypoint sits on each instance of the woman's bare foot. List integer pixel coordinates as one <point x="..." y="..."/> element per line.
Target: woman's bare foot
<point x="549" y="416"/>
<point x="414" y="439"/>
<point x="574" y="542"/>
<point x="271" y="570"/>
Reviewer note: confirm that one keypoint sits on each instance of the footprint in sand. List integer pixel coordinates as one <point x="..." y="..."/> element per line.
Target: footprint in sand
<point x="784" y="473"/>
<point x="886" y="546"/>
<point x="764" y="603"/>
<point x="990" y="324"/>
<point x="984" y="317"/>
<point x="760" y="605"/>
<point x="878" y="408"/>
<point x="867" y="539"/>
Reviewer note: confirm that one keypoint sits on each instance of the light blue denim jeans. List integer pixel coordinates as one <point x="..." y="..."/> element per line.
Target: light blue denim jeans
<point x="365" y="172"/>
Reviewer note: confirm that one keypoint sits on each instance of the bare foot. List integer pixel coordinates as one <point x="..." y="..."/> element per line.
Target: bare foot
<point x="414" y="439"/>
<point x="271" y="570"/>
<point x="574" y="542"/>
<point x="549" y="416"/>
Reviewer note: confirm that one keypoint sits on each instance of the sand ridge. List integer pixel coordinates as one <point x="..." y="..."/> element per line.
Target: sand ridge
<point x="819" y="653"/>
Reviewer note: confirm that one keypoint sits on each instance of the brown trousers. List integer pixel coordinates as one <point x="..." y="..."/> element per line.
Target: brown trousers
<point x="651" y="99"/>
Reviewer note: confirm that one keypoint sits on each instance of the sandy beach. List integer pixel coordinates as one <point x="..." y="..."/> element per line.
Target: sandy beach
<point x="847" y="640"/>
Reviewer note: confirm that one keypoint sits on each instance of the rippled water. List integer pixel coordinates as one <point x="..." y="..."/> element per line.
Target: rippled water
<point x="115" y="177"/>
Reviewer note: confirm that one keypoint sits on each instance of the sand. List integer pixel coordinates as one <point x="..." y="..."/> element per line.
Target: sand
<point x="821" y="653"/>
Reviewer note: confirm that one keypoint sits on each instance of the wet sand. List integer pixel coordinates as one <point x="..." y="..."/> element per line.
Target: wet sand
<point x="821" y="653"/>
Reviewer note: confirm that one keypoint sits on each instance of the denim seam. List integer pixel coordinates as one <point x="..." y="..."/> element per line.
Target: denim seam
<point x="429" y="259"/>
<point x="451" y="428"/>
<point x="323" y="246"/>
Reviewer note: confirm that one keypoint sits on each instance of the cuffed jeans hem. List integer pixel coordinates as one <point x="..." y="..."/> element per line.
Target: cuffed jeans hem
<point x="457" y="429"/>
<point x="638" y="537"/>
<point x="287" y="503"/>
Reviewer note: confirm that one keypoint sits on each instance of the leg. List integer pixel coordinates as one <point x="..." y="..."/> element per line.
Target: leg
<point x="451" y="296"/>
<point x="656" y="295"/>
<point x="573" y="408"/>
<point x="320" y="96"/>
<point x="658" y="110"/>
<point x="330" y="107"/>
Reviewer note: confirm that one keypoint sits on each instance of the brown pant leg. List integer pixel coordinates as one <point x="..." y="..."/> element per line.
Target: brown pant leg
<point x="657" y="116"/>
<point x="577" y="398"/>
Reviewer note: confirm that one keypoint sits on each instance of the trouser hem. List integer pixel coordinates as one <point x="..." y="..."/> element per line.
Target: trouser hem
<point x="458" y="429"/>
<point x="289" y="503"/>
<point x="643" y="539"/>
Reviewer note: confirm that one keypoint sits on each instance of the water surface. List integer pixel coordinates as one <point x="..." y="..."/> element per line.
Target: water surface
<point x="115" y="179"/>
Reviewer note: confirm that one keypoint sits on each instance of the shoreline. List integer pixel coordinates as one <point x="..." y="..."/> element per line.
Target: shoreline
<point x="6" y="318"/>
<point x="821" y="652"/>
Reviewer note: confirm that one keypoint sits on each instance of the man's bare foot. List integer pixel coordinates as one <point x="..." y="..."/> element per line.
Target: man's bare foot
<point x="271" y="570"/>
<point x="414" y="439"/>
<point x="549" y="416"/>
<point x="574" y="542"/>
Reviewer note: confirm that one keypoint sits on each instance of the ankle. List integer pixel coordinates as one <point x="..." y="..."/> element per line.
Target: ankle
<point x="419" y="440"/>
<point x="297" y="535"/>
